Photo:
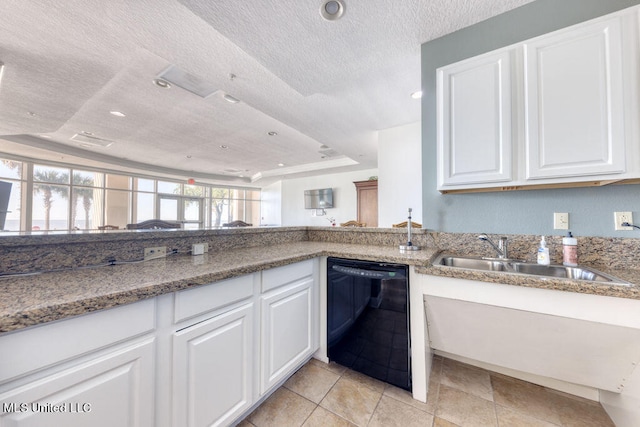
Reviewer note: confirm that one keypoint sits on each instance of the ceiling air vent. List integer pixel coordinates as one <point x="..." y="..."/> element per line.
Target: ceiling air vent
<point x="329" y="152"/>
<point x="186" y="81"/>
<point x="91" y="140"/>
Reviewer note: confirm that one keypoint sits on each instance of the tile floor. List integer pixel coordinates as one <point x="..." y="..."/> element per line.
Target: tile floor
<point x="459" y="395"/>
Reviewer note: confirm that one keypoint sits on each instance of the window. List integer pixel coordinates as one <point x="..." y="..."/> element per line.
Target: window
<point x="66" y="198"/>
<point x="11" y="174"/>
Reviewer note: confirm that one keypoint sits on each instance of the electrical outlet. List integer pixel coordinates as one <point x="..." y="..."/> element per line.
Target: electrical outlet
<point x="199" y="248"/>
<point x="156" y="252"/>
<point x="620" y="217"/>
<point x="560" y="221"/>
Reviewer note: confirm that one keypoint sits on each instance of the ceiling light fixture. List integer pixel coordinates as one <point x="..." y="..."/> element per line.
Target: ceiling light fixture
<point x="162" y="83"/>
<point x="280" y="164"/>
<point x="231" y="99"/>
<point x="273" y="133"/>
<point x="224" y="147"/>
<point x="117" y="113"/>
<point x="417" y="94"/>
<point x="332" y="10"/>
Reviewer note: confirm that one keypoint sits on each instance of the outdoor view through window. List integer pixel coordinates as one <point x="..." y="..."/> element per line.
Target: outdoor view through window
<point x="49" y="197"/>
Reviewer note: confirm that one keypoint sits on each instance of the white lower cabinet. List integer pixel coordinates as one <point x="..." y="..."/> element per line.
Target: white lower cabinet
<point x="114" y="389"/>
<point x="199" y="357"/>
<point x="213" y="369"/>
<point x="287" y="334"/>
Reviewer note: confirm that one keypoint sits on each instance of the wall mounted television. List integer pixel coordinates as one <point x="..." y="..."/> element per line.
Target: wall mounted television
<point x="318" y="199"/>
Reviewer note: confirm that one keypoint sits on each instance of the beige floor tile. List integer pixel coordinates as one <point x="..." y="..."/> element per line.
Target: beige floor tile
<point x="405" y="396"/>
<point x="352" y="400"/>
<point x="372" y="383"/>
<point x="432" y="396"/>
<point x="464" y="409"/>
<point x="312" y="382"/>
<point x="323" y="418"/>
<point x="282" y="408"/>
<point x="526" y="398"/>
<point x="331" y="366"/>
<point x="391" y="412"/>
<point x="436" y="369"/>
<point x="439" y="422"/>
<point x="578" y="412"/>
<point x="510" y="418"/>
<point x="466" y="378"/>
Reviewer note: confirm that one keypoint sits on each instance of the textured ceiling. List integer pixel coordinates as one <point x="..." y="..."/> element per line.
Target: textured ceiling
<point x="317" y="83"/>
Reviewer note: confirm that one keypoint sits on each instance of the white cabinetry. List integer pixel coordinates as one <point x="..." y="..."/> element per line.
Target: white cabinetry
<point x="213" y="369"/>
<point x="213" y="358"/>
<point x="559" y="109"/>
<point x="474" y="125"/>
<point x="574" y="102"/>
<point x="104" y="378"/>
<point x="215" y="350"/>
<point x="288" y="321"/>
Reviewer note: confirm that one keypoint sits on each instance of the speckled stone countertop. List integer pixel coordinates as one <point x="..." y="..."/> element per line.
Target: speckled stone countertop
<point x="632" y="290"/>
<point x="33" y="299"/>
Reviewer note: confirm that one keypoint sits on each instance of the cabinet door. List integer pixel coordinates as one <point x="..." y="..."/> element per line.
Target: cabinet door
<point x="574" y="102"/>
<point x="213" y="369"/>
<point x="287" y="335"/>
<point x="474" y="120"/>
<point x="115" y="389"/>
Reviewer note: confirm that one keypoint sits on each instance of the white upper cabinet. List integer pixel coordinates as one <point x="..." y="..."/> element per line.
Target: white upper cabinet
<point x="474" y="120"/>
<point x="559" y="109"/>
<point x="574" y="102"/>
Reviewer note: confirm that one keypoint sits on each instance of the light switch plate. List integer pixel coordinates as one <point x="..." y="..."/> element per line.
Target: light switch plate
<point x="620" y="217"/>
<point x="560" y="220"/>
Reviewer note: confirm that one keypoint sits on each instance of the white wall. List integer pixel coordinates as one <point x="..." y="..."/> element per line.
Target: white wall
<point x="400" y="174"/>
<point x="270" y="206"/>
<point x="344" y="197"/>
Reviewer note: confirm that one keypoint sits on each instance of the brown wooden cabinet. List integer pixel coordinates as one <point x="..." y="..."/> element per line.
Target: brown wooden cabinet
<point x="367" y="202"/>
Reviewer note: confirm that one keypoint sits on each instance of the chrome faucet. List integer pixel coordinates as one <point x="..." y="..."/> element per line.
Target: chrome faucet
<point x="501" y="248"/>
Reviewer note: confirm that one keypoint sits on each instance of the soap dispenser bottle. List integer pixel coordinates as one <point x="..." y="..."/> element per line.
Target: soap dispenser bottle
<point x="543" y="252"/>
<point x="570" y="250"/>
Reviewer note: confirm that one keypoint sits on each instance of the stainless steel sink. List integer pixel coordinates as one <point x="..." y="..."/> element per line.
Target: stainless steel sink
<point x="472" y="263"/>
<point x="519" y="267"/>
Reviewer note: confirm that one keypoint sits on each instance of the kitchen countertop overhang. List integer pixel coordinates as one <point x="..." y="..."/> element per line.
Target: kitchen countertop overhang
<point x="34" y="299"/>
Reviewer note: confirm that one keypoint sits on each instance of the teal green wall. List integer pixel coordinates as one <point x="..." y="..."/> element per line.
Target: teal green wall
<point x="517" y="212"/>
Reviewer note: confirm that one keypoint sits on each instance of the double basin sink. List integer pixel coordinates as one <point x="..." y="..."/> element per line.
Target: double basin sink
<point x="526" y="268"/>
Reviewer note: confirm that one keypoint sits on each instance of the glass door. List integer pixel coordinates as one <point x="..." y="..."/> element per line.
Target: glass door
<point x="186" y="210"/>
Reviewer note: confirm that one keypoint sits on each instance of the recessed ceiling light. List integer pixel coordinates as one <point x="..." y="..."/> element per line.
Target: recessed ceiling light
<point x="280" y="164"/>
<point x="231" y="99"/>
<point x="189" y="156"/>
<point x="273" y="133"/>
<point x="84" y="132"/>
<point x="117" y="114"/>
<point x="332" y="10"/>
<point x="31" y="113"/>
<point x="224" y="147"/>
<point x="162" y="83"/>
<point x="417" y="95"/>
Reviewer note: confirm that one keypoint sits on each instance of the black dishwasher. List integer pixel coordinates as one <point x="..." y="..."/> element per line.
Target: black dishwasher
<point x="368" y="319"/>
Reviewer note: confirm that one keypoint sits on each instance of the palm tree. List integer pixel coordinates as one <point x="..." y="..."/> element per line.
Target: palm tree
<point x="47" y="189"/>
<point x="87" y="197"/>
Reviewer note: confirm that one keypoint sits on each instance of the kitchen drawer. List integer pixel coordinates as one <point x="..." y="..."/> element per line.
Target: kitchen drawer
<point x="280" y="276"/>
<point x="38" y="347"/>
<point x="193" y="302"/>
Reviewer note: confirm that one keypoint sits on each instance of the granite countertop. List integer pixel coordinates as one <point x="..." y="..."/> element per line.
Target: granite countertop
<point x="33" y="299"/>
